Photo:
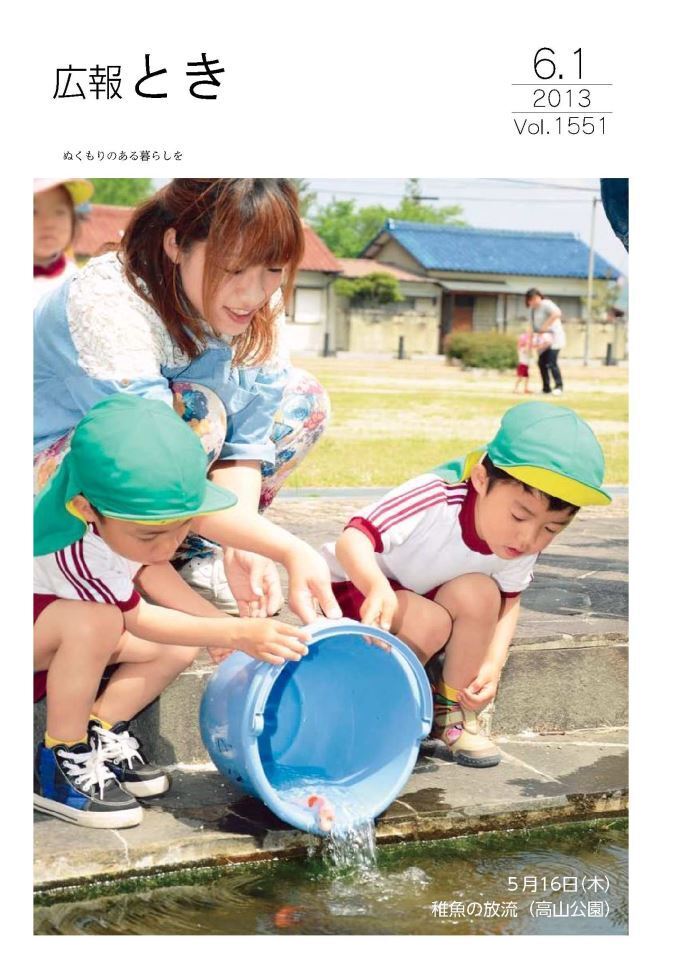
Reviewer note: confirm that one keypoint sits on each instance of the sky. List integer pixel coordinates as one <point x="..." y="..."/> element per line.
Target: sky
<point x="541" y="203"/>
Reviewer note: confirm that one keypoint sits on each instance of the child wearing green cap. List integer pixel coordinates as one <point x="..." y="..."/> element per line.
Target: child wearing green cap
<point x="130" y="489"/>
<point x="443" y="560"/>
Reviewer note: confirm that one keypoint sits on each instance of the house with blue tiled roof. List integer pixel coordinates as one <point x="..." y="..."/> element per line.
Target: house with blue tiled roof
<point x="483" y="274"/>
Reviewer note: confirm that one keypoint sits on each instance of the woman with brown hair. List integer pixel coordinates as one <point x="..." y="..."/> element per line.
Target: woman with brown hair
<point x="187" y="311"/>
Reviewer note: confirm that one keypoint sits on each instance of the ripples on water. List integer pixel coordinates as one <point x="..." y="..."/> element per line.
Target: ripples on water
<point x="349" y="892"/>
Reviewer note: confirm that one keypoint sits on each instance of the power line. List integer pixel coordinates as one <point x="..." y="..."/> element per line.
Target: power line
<point x="517" y="183"/>
<point x="555" y="186"/>
<point x="350" y="194"/>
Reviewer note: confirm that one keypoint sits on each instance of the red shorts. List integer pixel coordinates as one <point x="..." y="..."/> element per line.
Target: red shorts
<point x="522" y="370"/>
<point x="350" y="599"/>
<point x="41" y="600"/>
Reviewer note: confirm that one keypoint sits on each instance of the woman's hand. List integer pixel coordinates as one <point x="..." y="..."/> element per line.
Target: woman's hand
<point x="309" y="583"/>
<point x="254" y="582"/>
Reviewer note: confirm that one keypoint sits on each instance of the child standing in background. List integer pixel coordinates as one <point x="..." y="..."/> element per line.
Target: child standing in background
<point x="55" y="223"/>
<point x="524" y="351"/>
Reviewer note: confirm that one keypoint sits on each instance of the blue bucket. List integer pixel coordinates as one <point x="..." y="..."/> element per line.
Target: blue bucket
<point x="345" y="721"/>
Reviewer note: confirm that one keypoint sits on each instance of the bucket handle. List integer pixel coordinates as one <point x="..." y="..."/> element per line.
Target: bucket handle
<point x="270" y="671"/>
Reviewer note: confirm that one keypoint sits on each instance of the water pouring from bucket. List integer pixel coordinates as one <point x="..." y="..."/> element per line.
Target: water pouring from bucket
<point x="327" y="742"/>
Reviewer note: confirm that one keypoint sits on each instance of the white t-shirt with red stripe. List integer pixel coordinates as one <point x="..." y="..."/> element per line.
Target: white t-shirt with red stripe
<point x="423" y="534"/>
<point x="87" y="570"/>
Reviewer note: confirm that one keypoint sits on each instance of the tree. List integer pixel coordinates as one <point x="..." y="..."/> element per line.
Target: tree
<point x="337" y="225"/>
<point x="378" y="288"/>
<point x="604" y="297"/>
<point x="122" y="192"/>
<point x="307" y="197"/>
<point x="412" y="207"/>
<point x="347" y="230"/>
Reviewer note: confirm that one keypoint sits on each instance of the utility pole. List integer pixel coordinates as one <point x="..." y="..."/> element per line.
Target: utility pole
<point x="590" y="282"/>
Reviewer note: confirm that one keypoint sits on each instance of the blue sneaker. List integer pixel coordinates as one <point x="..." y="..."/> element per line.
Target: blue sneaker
<point x="124" y="756"/>
<point x="75" y="784"/>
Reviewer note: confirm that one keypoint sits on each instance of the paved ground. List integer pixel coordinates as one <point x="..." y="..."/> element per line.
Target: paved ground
<point x="569" y="664"/>
<point x="203" y="819"/>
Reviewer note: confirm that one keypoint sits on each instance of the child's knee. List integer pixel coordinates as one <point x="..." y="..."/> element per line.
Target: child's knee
<point x="423" y="624"/>
<point x="96" y="627"/>
<point x="438" y="631"/>
<point x="178" y="658"/>
<point x="473" y="596"/>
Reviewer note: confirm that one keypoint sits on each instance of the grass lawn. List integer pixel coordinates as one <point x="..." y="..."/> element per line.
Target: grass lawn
<point x="392" y="420"/>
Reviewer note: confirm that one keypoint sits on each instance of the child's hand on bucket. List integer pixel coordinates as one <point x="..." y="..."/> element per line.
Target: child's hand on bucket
<point x="269" y="640"/>
<point x="380" y="606"/>
<point x="375" y="642"/>
<point x="218" y="654"/>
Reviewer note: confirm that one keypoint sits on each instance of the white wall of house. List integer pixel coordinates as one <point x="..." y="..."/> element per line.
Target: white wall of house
<point x="311" y="313"/>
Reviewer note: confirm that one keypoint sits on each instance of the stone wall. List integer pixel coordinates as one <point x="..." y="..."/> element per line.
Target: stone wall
<point x="600" y="334"/>
<point x="379" y="330"/>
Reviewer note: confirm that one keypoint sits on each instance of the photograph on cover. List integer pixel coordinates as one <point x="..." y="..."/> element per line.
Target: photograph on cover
<point x="330" y="556"/>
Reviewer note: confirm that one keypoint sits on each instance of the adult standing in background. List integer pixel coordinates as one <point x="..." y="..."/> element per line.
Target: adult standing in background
<point x="546" y="323"/>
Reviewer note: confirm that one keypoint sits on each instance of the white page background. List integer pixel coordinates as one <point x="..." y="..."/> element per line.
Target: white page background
<point x="382" y="90"/>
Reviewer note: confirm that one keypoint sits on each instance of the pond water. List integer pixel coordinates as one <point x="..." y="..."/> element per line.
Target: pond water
<point x="556" y="880"/>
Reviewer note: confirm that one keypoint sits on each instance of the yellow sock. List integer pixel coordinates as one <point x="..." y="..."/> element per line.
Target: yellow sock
<point x="102" y="723"/>
<point x="52" y="742"/>
<point x="445" y="690"/>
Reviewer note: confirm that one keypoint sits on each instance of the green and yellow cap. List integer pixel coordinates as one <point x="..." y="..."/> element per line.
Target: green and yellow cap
<point x="550" y="448"/>
<point x="132" y="459"/>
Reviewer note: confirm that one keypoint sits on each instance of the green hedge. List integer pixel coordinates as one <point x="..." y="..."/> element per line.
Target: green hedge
<point x="484" y="350"/>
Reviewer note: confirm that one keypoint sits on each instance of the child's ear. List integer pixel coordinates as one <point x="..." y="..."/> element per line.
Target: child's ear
<point x="83" y="508"/>
<point x="479" y="478"/>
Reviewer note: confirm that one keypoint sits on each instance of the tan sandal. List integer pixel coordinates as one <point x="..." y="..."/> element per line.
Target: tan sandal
<point x="458" y="729"/>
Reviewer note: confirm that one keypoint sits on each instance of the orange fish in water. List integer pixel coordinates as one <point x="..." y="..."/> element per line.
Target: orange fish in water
<point x="288" y="917"/>
<point x="324" y="810"/>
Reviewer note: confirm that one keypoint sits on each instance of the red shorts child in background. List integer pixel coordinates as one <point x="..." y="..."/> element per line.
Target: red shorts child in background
<point x="524" y="351"/>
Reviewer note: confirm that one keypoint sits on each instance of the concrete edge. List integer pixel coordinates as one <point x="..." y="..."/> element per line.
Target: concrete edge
<point x="549" y="641"/>
<point x="211" y="848"/>
<point x="567" y="641"/>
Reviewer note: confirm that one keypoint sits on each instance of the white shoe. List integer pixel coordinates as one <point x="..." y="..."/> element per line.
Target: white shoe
<point x="207" y="577"/>
<point x="557" y="392"/>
